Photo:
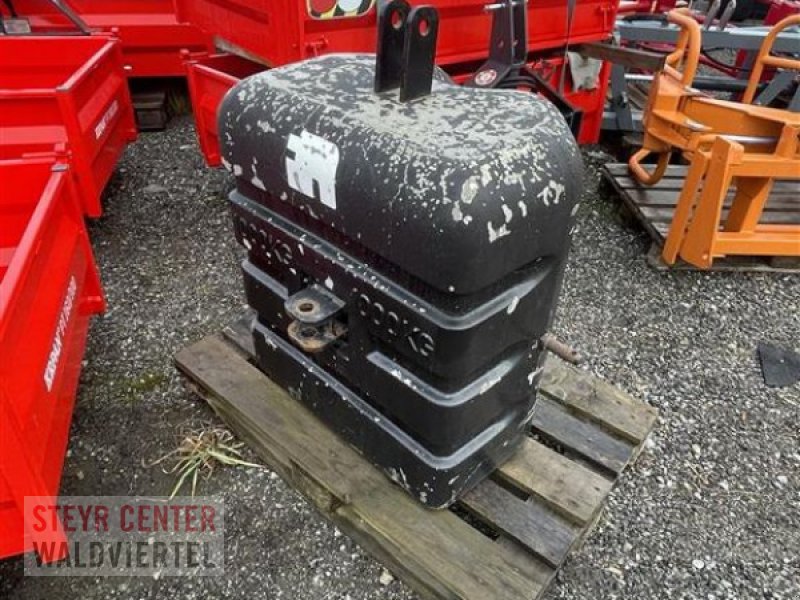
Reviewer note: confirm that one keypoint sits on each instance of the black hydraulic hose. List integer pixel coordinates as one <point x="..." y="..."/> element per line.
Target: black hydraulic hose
<point x="723" y="65"/>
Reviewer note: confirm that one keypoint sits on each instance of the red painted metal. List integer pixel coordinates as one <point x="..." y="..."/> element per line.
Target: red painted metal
<point x="151" y="36"/>
<point x="283" y="31"/>
<point x="49" y="289"/>
<point x="277" y="32"/>
<point x="780" y="9"/>
<point x="593" y="105"/>
<point x="209" y="79"/>
<point x="67" y="93"/>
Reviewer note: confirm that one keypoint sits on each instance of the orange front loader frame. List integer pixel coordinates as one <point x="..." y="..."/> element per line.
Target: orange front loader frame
<point x="726" y="143"/>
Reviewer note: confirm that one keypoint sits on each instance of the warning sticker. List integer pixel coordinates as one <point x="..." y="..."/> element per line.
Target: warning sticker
<point x="335" y="9"/>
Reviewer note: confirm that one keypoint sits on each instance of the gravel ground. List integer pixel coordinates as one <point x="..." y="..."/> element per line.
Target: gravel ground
<point x="711" y="510"/>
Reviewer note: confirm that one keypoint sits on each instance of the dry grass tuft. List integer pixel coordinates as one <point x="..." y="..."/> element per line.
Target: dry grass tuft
<point x="199" y="452"/>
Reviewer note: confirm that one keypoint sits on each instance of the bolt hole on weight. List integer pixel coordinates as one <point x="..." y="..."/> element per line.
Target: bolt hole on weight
<point x="306" y="307"/>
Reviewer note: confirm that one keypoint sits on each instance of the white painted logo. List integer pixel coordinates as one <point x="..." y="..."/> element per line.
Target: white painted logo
<point x="486" y="77"/>
<point x="104" y="121"/>
<point x="58" y="339"/>
<point x="312" y="170"/>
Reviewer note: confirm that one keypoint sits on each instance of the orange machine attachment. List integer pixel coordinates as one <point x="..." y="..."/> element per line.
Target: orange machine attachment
<point x="726" y="143"/>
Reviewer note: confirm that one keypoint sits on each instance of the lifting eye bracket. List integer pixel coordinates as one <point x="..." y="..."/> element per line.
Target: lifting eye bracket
<point x="313" y="306"/>
<point x="314" y="310"/>
<point x="406" y="49"/>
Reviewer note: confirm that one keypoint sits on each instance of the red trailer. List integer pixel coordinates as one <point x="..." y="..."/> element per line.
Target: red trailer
<point x="49" y="289"/>
<point x="151" y="36"/>
<point x="66" y="93"/>
<point x="271" y="33"/>
<point x="209" y="78"/>
<point x="283" y="31"/>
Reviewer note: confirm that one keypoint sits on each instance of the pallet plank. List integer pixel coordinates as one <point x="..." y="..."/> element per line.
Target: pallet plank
<point x="782" y="187"/>
<point x="599" y="401"/>
<point x="668" y="198"/>
<point x="567" y="487"/>
<point x="436" y="551"/>
<point x="656" y="207"/>
<point x="664" y="215"/>
<point x="395" y="557"/>
<point x="735" y="264"/>
<point x="529" y="523"/>
<point x="402" y="565"/>
<point x="579" y="436"/>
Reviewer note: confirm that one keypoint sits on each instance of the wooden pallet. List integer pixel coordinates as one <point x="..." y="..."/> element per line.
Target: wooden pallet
<point x="654" y="206"/>
<point x="505" y="540"/>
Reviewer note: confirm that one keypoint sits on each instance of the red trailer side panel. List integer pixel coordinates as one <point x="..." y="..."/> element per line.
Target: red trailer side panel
<point x="68" y="93"/>
<point x="283" y="31"/>
<point x="152" y="38"/>
<point x="49" y="289"/>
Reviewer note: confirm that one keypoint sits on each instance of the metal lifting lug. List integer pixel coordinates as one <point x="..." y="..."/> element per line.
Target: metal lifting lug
<point x="314" y="305"/>
<point x="406" y="49"/>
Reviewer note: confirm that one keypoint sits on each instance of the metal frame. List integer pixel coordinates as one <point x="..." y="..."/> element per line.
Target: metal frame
<point x="620" y="116"/>
<point x="723" y="142"/>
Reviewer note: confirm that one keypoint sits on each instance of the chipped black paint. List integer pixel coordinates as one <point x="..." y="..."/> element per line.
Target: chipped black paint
<point x="443" y="226"/>
<point x="461" y="174"/>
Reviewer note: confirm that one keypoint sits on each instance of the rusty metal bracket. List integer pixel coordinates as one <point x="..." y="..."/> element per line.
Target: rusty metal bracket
<point x="313" y="306"/>
<point x="312" y="338"/>
<point x="314" y="311"/>
<point x="561" y="349"/>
